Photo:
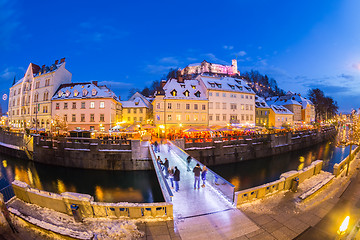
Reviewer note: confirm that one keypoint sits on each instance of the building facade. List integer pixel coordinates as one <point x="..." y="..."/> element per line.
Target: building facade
<point x="86" y="106"/>
<point x="137" y="110"/>
<point x="231" y="100"/>
<point x="262" y="112"/>
<point x="211" y="68"/>
<point x="280" y="116"/>
<point x="30" y="97"/>
<point x="181" y="104"/>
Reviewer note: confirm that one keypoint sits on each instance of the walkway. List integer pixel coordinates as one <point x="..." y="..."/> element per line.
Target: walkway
<point x="203" y="213"/>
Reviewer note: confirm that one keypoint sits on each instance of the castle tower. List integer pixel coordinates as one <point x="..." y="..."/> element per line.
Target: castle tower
<point x="234" y="66"/>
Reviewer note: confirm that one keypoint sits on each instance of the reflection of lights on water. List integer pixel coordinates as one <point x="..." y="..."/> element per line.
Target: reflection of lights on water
<point x="4" y="162"/>
<point x="30" y="176"/>
<point x="99" y="194"/>
<point x="235" y="181"/>
<point x="61" y="186"/>
<point x="301" y="165"/>
<point x="344" y="225"/>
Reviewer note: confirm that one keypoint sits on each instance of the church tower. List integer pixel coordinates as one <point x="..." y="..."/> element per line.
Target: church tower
<point x="234" y="66"/>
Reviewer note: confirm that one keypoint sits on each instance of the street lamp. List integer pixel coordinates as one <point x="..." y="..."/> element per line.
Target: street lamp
<point x="343" y="226"/>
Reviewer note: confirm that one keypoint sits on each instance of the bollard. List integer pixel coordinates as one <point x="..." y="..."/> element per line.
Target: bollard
<point x="76" y="213"/>
<point x="295" y="184"/>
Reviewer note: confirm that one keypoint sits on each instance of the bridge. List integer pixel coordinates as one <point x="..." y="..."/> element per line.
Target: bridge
<point x="205" y="213"/>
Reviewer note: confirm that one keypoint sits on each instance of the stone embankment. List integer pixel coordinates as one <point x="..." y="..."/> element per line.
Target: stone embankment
<point x="230" y="149"/>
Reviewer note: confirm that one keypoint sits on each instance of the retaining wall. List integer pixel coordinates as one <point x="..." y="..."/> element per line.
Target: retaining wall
<point x="284" y="183"/>
<point x="230" y="149"/>
<point x="340" y="167"/>
<point x="87" y="206"/>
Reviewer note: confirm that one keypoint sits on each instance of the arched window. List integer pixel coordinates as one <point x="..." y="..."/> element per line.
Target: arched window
<point x="46" y="96"/>
<point x="173" y="93"/>
<point x="186" y="93"/>
<point x="60" y="93"/>
<point x="197" y="94"/>
<point x="36" y="97"/>
<point x="93" y="92"/>
<point x="84" y="92"/>
<point x="76" y="93"/>
<point x="67" y="93"/>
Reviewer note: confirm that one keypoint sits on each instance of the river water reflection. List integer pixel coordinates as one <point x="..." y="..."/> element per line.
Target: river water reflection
<point x="105" y="186"/>
<point x="255" y="172"/>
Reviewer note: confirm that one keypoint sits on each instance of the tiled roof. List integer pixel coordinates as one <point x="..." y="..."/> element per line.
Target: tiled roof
<point x="83" y="91"/>
<point x="260" y="102"/>
<point x="189" y="89"/>
<point x="278" y="109"/>
<point x="226" y="84"/>
<point x="136" y="101"/>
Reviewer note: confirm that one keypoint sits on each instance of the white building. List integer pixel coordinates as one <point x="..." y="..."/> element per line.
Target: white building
<point x="30" y="97"/>
<point x="211" y="68"/>
<point x="231" y="100"/>
<point x="137" y="110"/>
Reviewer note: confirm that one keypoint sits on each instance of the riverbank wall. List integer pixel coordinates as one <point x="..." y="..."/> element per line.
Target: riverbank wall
<point x="230" y="149"/>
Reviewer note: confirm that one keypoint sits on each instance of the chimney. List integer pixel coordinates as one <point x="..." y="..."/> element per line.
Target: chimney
<point x="179" y="77"/>
<point x="163" y="82"/>
<point x="62" y="60"/>
<point x="95" y="83"/>
<point x="56" y="62"/>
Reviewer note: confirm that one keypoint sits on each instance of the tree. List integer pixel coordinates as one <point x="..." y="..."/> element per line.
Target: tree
<point x="145" y="92"/>
<point x="132" y="91"/>
<point x="59" y="123"/>
<point x="325" y="107"/>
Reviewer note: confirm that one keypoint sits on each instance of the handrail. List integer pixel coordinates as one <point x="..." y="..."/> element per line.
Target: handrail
<point x="167" y="193"/>
<point x="215" y="180"/>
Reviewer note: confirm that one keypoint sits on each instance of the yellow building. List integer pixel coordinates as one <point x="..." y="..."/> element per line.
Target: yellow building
<point x="181" y="104"/>
<point x="262" y="112"/>
<point x="280" y="115"/>
<point x="137" y="110"/>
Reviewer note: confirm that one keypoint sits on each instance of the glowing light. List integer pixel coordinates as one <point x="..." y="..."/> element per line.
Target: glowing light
<point x="162" y="126"/>
<point x="344" y="225"/>
<point x="4" y="162"/>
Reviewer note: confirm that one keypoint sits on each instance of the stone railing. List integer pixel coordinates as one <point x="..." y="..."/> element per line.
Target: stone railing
<point x="339" y="167"/>
<point x="12" y="138"/>
<point x="89" y="208"/>
<point x="284" y="183"/>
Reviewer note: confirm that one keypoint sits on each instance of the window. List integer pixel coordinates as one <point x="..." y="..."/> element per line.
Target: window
<point x="242" y="106"/>
<point x="251" y="107"/>
<point x="224" y="94"/>
<point x="35" y="109"/>
<point x="203" y="107"/>
<point x="217" y="105"/>
<point x="197" y="94"/>
<point x="46" y="96"/>
<point x="242" y="96"/>
<point x="246" y="97"/>
<point x="47" y="82"/>
<point x="102" y="118"/>
<point x="187" y="106"/>
<point x="178" y="106"/>
<point x="82" y="118"/>
<point x="210" y="94"/>
<point x="74" y="105"/>
<point x="158" y="117"/>
<point x="65" y="117"/>
<point x="66" y="105"/>
<point x="178" y="117"/>
<point x="233" y="106"/>
<point x="224" y="105"/>
<point x="195" y="106"/>
<point x="173" y="93"/>
<point x="203" y="117"/>
<point x="186" y="93"/>
<point x="141" y="110"/>
<point x="250" y="97"/>
<point x="169" y="117"/>
<point x="210" y="105"/>
<point x="247" y="117"/>
<point x="129" y="110"/>
<point x="224" y="117"/>
<point x="242" y="117"/>
<point x="169" y="106"/>
<point x="45" y="109"/>
<point x="187" y="117"/>
<point x="141" y="119"/>
<point x="57" y="106"/>
<point x="210" y="117"/>
<point x="251" y="117"/>
<point x="36" y="97"/>
<point x="76" y="93"/>
<point x="84" y="92"/>
<point x="196" y="118"/>
<point x="92" y="104"/>
<point x="217" y="117"/>
<point x="93" y="92"/>
<point x="135" y="110"/>
<point x="73" y="117"/>
<point x="158" y="105"/>
<point x="67" y="93"/>
<point x="82" y="105"/>
<point x="246" y="107"/>
<point x="217" y="94"/>
<point x="102" y="104"/>
<point x="37" y="85"/>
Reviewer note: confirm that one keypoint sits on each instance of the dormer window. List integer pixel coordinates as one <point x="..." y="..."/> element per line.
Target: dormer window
<point x="60" y="93"/>
<point x="67" y="93"/>
<point x="239" y="87"/>
<point x="238" y="81"/>
<point x="76" y="93"/>
<point x="186" y="93"/>
<point x="212" y="84"/>
<point x="218" y="85"/>
<point x="93" y="92"/>
<point x="84" y="92"/>
<point x="182" y="85"/>
<point x="136" y="103"/>
<point x="197" y="94"/>
<point x="173" y="93"/>
<point x="193" y="86"/>
<point x="231" y="86"/>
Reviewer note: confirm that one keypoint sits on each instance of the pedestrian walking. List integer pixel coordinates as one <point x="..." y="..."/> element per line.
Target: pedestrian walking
<point x="6" y="214"/>
<point x="203" y="175"/>
<point x="197" y="172"/>
<point x="188" y="163"/>
<point x="171" y="177"/>
<point x="156" y="145"/>
<point x="160" y="163"/>
<point x="176" y="178"/>
<point x="166" y="168"/>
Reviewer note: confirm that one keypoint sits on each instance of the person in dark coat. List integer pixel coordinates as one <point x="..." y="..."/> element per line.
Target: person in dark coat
<point x="203" y="175"/>
<point x="188" y="160"/>
<point x="197" y="172"/>
<point x="176" y="179"/>
<point x="166" y="168"/>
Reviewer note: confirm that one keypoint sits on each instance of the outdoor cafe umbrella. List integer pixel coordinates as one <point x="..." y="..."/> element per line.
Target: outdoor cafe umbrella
<point x="191" y="130"/>
<point x="224" y="129"/>
<point x="148" y="126"/>
<point x="132" y="128"/>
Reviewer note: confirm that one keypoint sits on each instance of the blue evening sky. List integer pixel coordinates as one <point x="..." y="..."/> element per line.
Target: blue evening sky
<point x="126" y="44"/>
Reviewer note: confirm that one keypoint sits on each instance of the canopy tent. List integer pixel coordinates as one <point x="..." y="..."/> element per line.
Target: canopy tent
<point x="148" y="126"/>
<point x="224" y="129"/>
<point x="191" y="130"/>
